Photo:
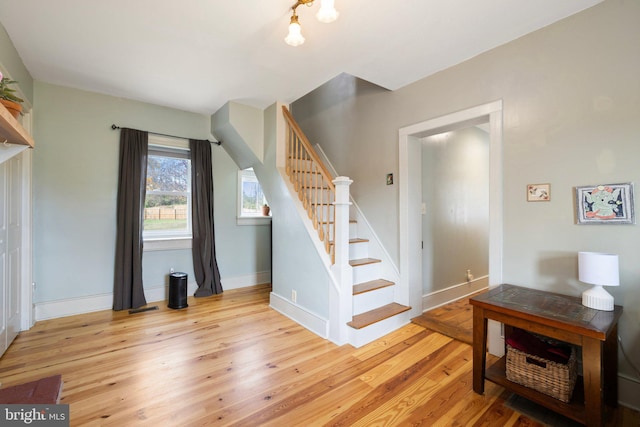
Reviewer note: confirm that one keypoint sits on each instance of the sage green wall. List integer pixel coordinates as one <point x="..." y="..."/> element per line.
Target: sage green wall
<point x="296" y="264"/>
<point x="571" y="96"/>
<point x="12" y="63"/>
<point x="75" y="169"/>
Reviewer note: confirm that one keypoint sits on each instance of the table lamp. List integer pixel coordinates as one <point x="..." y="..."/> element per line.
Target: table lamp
<point x="598" y="269"/>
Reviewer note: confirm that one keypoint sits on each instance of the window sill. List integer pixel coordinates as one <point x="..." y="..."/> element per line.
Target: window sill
<point x="253" y="220"/>
<point x="167" y="244"/>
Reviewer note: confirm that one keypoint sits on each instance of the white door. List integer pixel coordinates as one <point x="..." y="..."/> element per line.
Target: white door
<point x="10" y="249"/>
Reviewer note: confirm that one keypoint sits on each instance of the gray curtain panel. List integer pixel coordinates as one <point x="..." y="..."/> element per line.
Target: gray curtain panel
<point x="205" y="266"/>
<point x="127" y="288"/>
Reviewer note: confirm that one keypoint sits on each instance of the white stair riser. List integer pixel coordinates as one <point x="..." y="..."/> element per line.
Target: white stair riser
<point x="371" y="300"/>
<point x="353" y="230"/>
<point x="301" y="165"/>
<point x="366" y="273"/>
<point x="324" y="211"/>
<point x="359" y="250"/>
<point x="360" y="337"/>
<point x="315" y="196"/>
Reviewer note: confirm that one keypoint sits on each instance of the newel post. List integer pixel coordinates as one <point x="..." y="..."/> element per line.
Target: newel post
<point x="341" y="310"/>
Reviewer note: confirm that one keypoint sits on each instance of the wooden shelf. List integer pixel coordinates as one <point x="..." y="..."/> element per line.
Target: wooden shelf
<point x="12" y="130"/>
<point x="575" y="409"/>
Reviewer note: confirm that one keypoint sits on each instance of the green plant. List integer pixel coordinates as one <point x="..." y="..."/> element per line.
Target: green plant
<point x="8" y="93"/>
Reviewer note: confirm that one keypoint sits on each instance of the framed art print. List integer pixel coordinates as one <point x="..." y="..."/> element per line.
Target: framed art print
<point x="605" y="204"/>
<point x="538" y="192"/>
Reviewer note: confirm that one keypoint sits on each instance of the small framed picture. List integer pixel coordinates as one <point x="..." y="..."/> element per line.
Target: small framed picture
<point x="538" y="192"/>
<point x="605" y="204"/>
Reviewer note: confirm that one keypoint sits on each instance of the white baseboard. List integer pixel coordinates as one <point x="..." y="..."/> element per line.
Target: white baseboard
<point x="306" y="319"/>
<point x="80" y="305"/>
<point x="452" y="293"/>
<point x="258" y="278"/>
<point x="629" y="392"/>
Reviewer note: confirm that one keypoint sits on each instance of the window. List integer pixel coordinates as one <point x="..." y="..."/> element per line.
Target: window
<point x="167" y="205"/>
<point x="251" y="199"/>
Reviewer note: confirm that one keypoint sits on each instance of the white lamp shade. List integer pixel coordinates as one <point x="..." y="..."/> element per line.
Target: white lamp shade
<point x="598" y="268"/>
<point x="294" y="38"/>
<point x="327" y="12"/>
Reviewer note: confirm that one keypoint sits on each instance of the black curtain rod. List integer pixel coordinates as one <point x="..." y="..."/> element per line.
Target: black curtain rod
<point x="114" y="127"/>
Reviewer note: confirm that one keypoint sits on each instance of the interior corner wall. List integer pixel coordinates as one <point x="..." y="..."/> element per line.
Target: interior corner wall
<point x="296" y="263"/>
<point x="75" y="174"/>
<point x="571" y="117"/>
<point x="10" y="60"/>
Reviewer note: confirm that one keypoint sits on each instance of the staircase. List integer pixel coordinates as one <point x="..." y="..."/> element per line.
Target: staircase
<point x="364" y="303"/>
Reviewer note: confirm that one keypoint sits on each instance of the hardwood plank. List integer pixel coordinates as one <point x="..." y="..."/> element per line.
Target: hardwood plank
<point x="231" y="360"/>
<point x="454" y="319"/>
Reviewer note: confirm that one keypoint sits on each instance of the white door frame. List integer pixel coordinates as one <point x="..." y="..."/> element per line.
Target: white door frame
<point x="410" y="187"/>
<point x="26" y="298"/>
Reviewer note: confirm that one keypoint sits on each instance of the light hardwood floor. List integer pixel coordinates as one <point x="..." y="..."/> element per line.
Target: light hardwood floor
<point x="231" y="360"/>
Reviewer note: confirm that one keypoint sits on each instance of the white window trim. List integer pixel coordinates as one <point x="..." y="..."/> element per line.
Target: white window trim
<point x="167" y="242"/>
<point x="247" y="219"/>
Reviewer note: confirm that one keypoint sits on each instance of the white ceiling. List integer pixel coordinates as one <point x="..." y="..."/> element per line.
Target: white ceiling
<point x="196" y="55"/>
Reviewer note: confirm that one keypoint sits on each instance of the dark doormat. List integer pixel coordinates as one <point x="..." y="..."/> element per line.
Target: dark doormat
<point x="539" y="413"/>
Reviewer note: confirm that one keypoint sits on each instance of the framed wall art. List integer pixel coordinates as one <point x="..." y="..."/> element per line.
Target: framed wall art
<point x="605" y="204"/>
<point x="538" y="192"/>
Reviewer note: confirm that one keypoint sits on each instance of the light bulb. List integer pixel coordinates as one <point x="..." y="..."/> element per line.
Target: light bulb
<point x="327" y="12"/>
<point x="294" y="38"/>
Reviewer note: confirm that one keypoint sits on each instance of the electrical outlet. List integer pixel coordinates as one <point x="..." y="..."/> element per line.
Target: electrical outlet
<point x="469" y="276"/>
<point x="294" y="295"/>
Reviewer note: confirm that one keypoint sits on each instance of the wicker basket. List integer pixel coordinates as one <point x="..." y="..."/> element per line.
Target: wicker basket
<point x="551" y="378"/>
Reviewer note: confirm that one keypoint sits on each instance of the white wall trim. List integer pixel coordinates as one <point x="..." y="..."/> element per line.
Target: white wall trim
<point x="410" y="195"/>
<point x="629" y="392"/>
<point x="444" y="296"/>
<point x="298" y="314"/>
<point x="153" y="294"/>
<point x="258" y="278"/>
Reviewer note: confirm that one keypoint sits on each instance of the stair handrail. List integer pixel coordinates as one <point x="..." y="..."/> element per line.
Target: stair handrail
<point x="299" y="149"/>
<point x="307" y="145"/>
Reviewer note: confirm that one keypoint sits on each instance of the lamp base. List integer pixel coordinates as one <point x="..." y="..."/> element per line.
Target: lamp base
<point x="597" y="298"/>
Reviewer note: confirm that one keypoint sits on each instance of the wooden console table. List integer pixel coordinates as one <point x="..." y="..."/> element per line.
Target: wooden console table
<point x="563" y="318"/>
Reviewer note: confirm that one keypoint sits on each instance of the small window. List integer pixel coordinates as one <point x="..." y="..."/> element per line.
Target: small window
<point x="251" y="199"/>
<point x="167" y="207"/>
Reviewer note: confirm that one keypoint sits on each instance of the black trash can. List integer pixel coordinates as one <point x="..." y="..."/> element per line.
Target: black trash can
<point x="178" y="290"/>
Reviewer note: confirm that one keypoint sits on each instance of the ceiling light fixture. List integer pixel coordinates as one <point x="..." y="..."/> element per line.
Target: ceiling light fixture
<point x="326" y="14"/>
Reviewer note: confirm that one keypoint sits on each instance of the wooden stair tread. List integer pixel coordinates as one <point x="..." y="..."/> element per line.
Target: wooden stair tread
<point x="372" y="285"/>
<point x="363" y="261"/>
<point x="354" y="241"/>
<point x="370" y="317"/>
<point x="351" y="221"/>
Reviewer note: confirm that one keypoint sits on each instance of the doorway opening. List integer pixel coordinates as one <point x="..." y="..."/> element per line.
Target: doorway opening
<point x="410" y="187"/>
<point x="455" y="214"/>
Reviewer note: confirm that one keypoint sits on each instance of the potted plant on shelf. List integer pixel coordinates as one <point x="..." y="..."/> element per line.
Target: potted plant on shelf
<point x="265" y="210"/>
<point x="8" y="98"/>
